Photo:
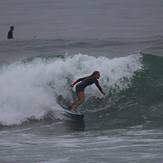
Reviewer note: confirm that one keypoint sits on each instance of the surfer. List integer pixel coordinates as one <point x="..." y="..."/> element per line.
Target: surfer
<point x="84" y="82"/>
<point x="10" y="33"/>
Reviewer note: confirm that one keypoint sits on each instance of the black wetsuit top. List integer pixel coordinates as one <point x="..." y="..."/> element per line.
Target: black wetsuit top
<point x="84" y="82"/>
<point x="10" y="34"/>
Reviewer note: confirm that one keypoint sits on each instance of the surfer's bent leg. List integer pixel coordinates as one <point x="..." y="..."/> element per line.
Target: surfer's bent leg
<point x="79" y="101"/>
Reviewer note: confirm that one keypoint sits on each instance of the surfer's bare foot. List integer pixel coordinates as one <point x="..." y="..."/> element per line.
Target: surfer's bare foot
<point x="72" y="110"/>
<point x="69" y="106"/>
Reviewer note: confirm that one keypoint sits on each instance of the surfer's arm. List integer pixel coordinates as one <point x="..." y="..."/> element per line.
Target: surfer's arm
<point x="99" y="87"/>
<point x="77" y="81"/>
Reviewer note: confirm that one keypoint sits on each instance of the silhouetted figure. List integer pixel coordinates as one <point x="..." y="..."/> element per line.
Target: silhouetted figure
<point x="10" y="33"/>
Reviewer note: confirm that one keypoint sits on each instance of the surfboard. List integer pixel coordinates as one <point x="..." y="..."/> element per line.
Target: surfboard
<point x="76" y="116"/>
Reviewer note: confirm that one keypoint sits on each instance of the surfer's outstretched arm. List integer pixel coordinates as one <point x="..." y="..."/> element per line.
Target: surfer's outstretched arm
<point x="99" y="87"/>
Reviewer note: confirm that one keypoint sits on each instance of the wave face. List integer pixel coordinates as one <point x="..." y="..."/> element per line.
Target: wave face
<point x="139" y="104"/>
<point x="29" y="89"/>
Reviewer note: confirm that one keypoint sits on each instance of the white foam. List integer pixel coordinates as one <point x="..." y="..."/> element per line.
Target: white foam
<point x="29" y="89"/>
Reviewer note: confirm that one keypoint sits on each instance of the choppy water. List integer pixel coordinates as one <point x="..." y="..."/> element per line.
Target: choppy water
<point x="55" y="43"/>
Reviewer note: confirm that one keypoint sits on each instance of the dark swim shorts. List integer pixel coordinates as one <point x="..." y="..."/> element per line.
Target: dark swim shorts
<point x="79" y="88"/>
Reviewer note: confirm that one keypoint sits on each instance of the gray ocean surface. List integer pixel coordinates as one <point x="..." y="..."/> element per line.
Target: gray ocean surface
<point x="58" y="41"/>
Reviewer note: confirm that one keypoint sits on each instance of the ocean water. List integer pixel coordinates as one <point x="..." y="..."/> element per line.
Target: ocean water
<point x="56" y="42"/>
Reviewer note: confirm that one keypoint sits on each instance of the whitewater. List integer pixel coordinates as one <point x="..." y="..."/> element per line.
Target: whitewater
<point x="29" y="89"/>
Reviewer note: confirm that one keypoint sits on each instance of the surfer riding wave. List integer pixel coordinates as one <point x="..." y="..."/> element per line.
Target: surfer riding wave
<point x="82" y="84"/>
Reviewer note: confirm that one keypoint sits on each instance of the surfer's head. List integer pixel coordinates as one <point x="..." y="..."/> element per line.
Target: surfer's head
<point x="11" y="28"/>
<point x="96" y="74"/>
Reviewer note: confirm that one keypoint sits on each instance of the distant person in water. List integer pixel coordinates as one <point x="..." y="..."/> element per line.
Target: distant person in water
<point x="10" y="33"/>
<point x="84" y="82"/>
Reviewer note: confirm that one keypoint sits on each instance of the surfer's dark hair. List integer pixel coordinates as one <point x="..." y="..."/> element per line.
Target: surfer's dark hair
<point x="12" y="27"/>
<point x="95" y="73"/>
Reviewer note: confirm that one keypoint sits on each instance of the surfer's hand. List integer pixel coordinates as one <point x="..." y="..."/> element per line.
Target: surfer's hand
<point x="73" y="83"/>
<point x="103" y="93"/>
